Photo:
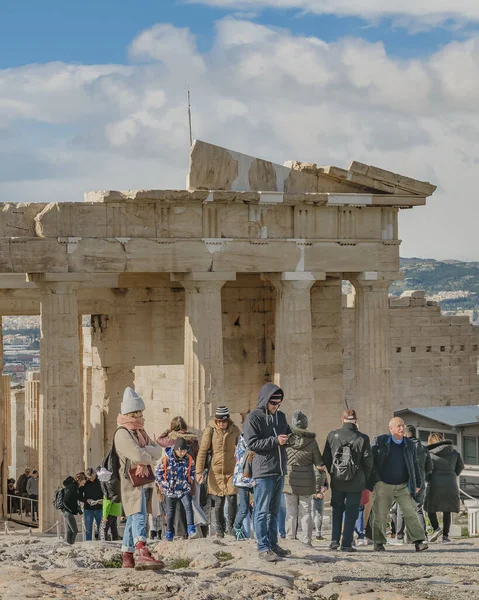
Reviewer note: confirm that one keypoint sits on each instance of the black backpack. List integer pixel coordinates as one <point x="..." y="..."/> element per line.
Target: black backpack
<point x="345" y="461"/>
<point x="111" y="462"/>
<point x="59" y="499"/>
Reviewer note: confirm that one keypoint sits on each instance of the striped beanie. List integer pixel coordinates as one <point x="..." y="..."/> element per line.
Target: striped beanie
<point x="222" y="413"/>
<point x="277" y="396"/>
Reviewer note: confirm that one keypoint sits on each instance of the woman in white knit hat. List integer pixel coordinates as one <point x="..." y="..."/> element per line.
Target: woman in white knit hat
<point x="136" y="451"/>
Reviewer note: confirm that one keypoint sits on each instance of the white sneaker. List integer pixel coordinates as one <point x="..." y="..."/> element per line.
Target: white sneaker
<point x="435" y="535"/>
<point x="395" y="542"/>
<point x="361" y="542"/>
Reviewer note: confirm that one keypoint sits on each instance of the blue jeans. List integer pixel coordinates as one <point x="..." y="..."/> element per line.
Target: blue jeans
<point x="242" y="520"/>
<point x="135" y="528"/>
<point x="267" y="501"/>
<point x="171" y="510"/>
<point x="90" y="516"/>
<point x="282" y="517"/>
<point x="359" y="527"/>
<point x="347" y="504"/>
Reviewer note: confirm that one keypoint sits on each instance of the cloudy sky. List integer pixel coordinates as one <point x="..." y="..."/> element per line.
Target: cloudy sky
<point x="93" y="96"/>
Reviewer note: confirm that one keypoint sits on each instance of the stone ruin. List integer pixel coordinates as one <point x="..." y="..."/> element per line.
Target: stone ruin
<point x="199" y="296"/>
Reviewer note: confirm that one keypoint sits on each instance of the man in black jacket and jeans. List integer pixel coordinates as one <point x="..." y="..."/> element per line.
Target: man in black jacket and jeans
<point x="396" y="477"/>
<point x="266" y="433"/>
<point x="347" y="488"/>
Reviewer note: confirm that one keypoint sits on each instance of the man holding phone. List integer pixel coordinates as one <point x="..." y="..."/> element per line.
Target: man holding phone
<point x="266" y="432"/>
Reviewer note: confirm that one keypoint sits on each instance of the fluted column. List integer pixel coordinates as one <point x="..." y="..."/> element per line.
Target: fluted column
<point x="373" y="397"/>
<point x="203" y="358"/>
<point x="32" y="406"/>
<point x="60" y="422"/>
<point x="293" y="341"/>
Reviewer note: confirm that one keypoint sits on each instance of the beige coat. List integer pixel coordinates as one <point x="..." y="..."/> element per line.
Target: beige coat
<point x="223" y="444"/>
<point x="128" y="448"/>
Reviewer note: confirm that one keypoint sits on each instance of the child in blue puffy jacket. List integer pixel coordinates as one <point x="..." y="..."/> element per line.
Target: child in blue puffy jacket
<point x="175" y="474"/>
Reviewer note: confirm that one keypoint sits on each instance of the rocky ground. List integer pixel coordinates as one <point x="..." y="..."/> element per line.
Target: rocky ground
<point x="40" y="567"/>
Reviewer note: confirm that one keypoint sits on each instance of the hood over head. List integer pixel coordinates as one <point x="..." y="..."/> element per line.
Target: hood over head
<point x="299" y="420"/>
<point x="442" y="448"/>
<point x="69" y="481"/>
<point x="265" y="394"/>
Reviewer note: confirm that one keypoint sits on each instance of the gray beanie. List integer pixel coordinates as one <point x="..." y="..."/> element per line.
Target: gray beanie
<point x="131" y="402"/>
<point x="299" y="420"/>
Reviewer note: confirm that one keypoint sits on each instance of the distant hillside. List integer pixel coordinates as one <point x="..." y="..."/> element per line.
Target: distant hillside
<point x="454" y="284"/>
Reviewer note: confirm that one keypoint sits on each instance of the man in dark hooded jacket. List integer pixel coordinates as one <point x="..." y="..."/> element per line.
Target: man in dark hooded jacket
<point x="266" y="433"/>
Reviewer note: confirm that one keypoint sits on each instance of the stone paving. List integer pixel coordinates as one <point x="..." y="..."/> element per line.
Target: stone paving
<point x="40" y="567"/>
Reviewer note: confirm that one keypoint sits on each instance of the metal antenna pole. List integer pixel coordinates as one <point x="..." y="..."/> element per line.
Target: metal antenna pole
<point x="189" y="116"/>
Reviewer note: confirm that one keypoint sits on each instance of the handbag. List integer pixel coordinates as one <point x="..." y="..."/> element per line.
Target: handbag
<point x="138" y="480"/>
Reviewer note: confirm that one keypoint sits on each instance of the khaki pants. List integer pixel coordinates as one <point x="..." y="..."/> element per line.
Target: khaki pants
<point x="298" y="511"/>
<point x="384" y="496"/>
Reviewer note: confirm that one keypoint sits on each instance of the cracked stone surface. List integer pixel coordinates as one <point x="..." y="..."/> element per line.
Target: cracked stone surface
<point x="42" y="567"/>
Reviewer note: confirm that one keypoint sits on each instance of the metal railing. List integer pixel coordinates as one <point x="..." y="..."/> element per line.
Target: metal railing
<point x="22" y="510"/>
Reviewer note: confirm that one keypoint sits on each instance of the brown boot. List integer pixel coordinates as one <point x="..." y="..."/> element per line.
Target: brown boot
<point x="144" y="560"/>
<point x="127" y="560"/>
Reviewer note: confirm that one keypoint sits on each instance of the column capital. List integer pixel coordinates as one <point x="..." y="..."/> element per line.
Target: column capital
<point x="63" y="282"/>
<point x="370" y="277"/>
<point x="374" y="280"/>
<point x="293" y="276"/>
<point x="205" y="276"/>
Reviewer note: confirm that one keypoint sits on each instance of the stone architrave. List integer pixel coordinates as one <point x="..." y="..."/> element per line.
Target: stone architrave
<point x="373" y="401"/>
<point x="60" y="422"/>
<point x="293" y="341"/>
<point x="204" y="372"/>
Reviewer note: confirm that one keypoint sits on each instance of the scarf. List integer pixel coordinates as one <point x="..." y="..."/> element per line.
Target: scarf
<point x="134" y="424"/>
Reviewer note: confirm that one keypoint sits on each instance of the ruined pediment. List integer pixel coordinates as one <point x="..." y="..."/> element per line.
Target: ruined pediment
<point x="216" y="168"/>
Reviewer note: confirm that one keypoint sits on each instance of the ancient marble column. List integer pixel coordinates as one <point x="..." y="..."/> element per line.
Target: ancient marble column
<point x="17" y="433"/>
<point x="203" y="358"/>
<point x="60" y="430"/>
<point x="113" y="365"/>
<point x="32" y="406"/>
<point x="373" y="396"/>
<point x="293" y="342"/>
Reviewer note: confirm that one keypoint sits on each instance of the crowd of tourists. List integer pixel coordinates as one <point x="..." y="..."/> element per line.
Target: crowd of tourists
<point x="22" y="495"/>
<point x="268" y="481"/>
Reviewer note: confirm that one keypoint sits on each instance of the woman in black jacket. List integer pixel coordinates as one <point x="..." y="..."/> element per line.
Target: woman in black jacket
<point x="442" y="493"/>
<point x="71" y="508"/>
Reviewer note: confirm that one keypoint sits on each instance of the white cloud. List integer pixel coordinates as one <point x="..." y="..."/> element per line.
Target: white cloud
<point x="414" y="14"/>
<point x="66" y="128"/>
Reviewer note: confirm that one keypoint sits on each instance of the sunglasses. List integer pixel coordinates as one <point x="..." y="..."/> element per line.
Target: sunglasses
<point x="274" y="403"/>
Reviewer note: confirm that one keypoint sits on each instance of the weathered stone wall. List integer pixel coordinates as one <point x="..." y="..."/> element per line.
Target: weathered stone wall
<point x="248" y="350"/>
<point x="434" y="357"/>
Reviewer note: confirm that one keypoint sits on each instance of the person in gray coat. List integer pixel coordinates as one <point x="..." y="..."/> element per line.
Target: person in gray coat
<point x="303" y="458"/>
<point x="442" y="493"/>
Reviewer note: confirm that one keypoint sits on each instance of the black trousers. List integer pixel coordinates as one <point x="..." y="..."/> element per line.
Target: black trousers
<point x="220" y="512"/>
<point x="446" y="522"/>
<point x="344" y="504"/>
